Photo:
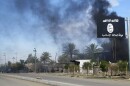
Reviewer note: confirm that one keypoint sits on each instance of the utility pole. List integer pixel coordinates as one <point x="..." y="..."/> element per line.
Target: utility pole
<point x="0" y="63"/>
<point x="35" y="58"/>
<point x="16" y="57"/>
<point x="0" y="60"/>
<point x="55" y="57"/>
<point x="5" y="61"/>
<point x="128" y="30"/>
<point x="13" y="59"/>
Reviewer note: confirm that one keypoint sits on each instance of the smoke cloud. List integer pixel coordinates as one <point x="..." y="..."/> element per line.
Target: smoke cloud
<point x="64" y="20"/>
<point x="67" y="20"/>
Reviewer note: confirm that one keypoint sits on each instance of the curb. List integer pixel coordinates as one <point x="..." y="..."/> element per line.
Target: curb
<point x="27" y="78"/>
<point x="39" y="80"/>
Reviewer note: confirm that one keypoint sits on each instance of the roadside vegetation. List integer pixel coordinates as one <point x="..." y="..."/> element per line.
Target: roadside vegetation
<point x="98" y="66"/>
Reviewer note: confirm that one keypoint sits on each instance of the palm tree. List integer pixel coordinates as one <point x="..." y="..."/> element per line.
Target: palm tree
<point x="30" y="59"/>
<point x="123" y="66"/>
<point x="63" y="59"/>
<point x="45" y="57"/>
<point x="73" y="68"/>
<point x="104" y="66"/>
<point x="87" y="66"/>
<point x="91" y="50"/>
<point x="70" y="50"/>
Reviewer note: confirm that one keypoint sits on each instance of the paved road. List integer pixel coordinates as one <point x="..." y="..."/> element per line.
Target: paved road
<point x="6" y="81"/>
<point x="79" y="81"/>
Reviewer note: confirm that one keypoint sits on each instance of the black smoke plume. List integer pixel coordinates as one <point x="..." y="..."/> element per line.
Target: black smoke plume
<point x="72" y="20"/>
<point x="66" y="21"/>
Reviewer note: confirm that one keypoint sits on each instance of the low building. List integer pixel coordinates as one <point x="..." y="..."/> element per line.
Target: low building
<point x="80" y="63"/>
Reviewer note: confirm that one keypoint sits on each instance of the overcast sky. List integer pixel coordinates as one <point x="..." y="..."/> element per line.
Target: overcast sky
<point x="21" y="30"/>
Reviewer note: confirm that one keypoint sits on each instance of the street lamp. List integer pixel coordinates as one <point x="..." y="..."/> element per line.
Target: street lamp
<point x="35" y="58"/>
<point x="5" y="61"/>
<point x="16" y="57"/>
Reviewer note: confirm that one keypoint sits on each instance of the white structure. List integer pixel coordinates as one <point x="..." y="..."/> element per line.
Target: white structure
<point x="81" y="62"/>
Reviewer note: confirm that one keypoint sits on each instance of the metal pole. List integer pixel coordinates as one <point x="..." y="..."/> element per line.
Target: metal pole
<point x="0" y="64"/>
<point x="115" y="49"/>
<point x="35" y="58"/>
<point x="128" y="29"/>
<point x="0" y="60"/>
<point x="16" y="58"/>
<point x="55" y="57"/>
<point x="5" y="61"/>
<point x="129" y="42"/>
<point x="13" y="59"/>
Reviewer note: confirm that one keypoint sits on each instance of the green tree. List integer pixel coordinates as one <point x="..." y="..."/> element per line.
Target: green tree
<point x="16" y="67"/>
<point x="30" y="59"/>
<point x="45" y="57"/>
<point x="22" y="62"/>
<point x="70" y="50"/>
<point x="123" y="65"/>
<point x="87" y="66"/>
<point x="91" y="50"/>
<point x="13" y="67"/>
<point x="52" y="62"/>
<point x="66" y="66"/>
<point x="9" y="63"/>
<point x="63" y="59"/>
<point x="104" y="66"/>
<point x="73" y="68"/>
<point x="19" y="66"/>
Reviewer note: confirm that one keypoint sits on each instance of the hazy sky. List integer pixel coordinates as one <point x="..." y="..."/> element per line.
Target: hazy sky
<point x="22" y="29"/>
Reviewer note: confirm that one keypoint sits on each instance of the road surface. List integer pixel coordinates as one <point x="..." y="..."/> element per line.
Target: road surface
<point x="78" y="81"/>
<point x="7" y="81"/>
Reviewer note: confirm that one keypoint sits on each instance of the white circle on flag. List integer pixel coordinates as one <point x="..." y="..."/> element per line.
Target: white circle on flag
<point x="110" y="28"/>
